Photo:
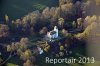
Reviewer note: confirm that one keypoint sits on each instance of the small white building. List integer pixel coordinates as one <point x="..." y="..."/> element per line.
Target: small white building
<point x="40" y="50"/>
<point x="53" y="34"/>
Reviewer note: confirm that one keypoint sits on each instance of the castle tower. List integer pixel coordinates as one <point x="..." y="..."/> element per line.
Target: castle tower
<point x="56" y="30"/>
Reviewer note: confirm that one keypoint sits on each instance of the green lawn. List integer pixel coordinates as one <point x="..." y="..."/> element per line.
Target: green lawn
<point x="10" y="64"/>
<point x="14" y="61"/>
<point x="18" y="8"/>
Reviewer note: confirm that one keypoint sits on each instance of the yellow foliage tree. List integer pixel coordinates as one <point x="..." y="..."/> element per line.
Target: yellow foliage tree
<point x="61" y="48"/>
<point x="6" y="18"/>
<point x="28" y="63"/>
<point x="97" y="2"/>
<point x="27" y="54"/>
<point x="9" y="48"/>
<point x="61" y="22"/>
<point x="47" y="48"/>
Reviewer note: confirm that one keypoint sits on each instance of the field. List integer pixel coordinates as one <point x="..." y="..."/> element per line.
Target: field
<point x="18" y="8"/>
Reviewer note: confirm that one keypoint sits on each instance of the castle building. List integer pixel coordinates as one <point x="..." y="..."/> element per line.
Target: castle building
<point x="53" y="34"/>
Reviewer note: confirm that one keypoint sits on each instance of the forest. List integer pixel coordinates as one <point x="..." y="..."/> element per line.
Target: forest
<point x="23" y="39"/>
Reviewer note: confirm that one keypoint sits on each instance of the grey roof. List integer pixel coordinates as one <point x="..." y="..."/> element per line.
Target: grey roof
<point x="52" y="32"/>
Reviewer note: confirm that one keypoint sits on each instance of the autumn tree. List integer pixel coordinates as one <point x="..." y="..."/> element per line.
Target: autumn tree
<point x="13" y="47"/>
<point x="46" y="49"/>
<point x="88" y="20"/>
<point x="61" y="22"/>
<point x="19" y="47"/>
<point x="44" y="31"/>
<point x="52" y="11"/>
<point x="46" y="13"/>
<point x="19" y="52"/>
<point x="25" y="24"/>
<point x="62" y="2"/>
<point x="24" y="40"/>
<point x="66" y="9"/>
<point x="4" y="30"/>
<point x="57" y="12"/>
<point x="79" y="23"/>
<point x="9" y="48"/>
<point x="45" y="46"/>
<point x="91" y="23"/>
<point x="74" y="24"/>
<point x="97" y="2"/>
<point x="23" y="43"/>
<point x="6" y="19"/>
<point x="32" y="31"/>
<point x="64" y="32"/>
<point x="27" y="54"/>
<point x="28" y="63"/>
